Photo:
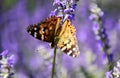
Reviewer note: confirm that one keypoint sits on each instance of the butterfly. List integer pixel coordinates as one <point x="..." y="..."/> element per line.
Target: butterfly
<point x="59" y="34"/>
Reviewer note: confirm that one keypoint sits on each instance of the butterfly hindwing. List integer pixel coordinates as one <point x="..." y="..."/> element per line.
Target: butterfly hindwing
<point x="68" y="42"/>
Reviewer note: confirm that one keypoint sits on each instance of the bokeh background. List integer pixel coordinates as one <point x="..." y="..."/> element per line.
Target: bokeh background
<point x="34" y="57"/>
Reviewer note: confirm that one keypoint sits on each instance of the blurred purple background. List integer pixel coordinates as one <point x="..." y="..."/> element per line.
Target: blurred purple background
<point x="16" y="15"/>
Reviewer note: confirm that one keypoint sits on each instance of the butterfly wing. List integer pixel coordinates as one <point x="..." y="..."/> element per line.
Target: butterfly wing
<point x="45" y="30"/>
<point x="64" y="37"/>
<point x="67" y="39"/>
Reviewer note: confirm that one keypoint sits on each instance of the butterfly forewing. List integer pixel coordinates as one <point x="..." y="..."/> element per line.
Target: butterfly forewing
<point x="45" y="30"/>
<point x="68" y="42"/>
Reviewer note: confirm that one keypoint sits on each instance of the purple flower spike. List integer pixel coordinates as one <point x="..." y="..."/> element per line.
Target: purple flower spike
<point x="4" y="53"/>
<point x="53" y="13"/>
<point x="74" y="6"/>
<point x="108" y="74"/>
<point x="11" y="60"/>
<point x="65" y="9"/>
<point x="6" y="65"/>
<point x="115" y="72"/>
<point x="99" y="30"/>
<point x="56" y="2"/>
<point x="71" y="17"/>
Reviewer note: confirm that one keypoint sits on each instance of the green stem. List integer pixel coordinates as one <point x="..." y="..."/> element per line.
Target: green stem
<point x="53" y="63"/>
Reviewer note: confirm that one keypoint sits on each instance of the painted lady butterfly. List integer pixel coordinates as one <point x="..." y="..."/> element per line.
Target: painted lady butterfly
<point x="61" y="35"/>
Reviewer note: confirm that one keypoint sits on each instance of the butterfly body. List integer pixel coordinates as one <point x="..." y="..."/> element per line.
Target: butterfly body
<point x="62" y="36"/>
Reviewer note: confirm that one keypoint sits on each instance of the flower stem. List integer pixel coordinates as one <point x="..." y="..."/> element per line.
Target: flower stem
<point x="53" y="63"/>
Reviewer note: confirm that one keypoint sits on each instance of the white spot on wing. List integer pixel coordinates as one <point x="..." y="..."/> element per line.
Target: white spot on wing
<point x="63" y="48"/>
<point x="69" y="52"/>
<point x="74" y="49"/>
<point x="73" y="55"/>
<point x="35" y="34"/>
<point x="35" y="28"/>
<point x="29" y="32"/>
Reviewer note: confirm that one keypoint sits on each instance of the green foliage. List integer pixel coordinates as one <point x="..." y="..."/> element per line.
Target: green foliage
<point x="8" y="4"/>
<point x="31" y="5"/>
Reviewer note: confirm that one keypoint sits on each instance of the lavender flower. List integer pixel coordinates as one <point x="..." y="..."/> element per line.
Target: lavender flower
<point x="100" y="31"/>
<point x="6" y="65"/>
<point x="65" y="9"/>
<point x="115" y="72"/>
